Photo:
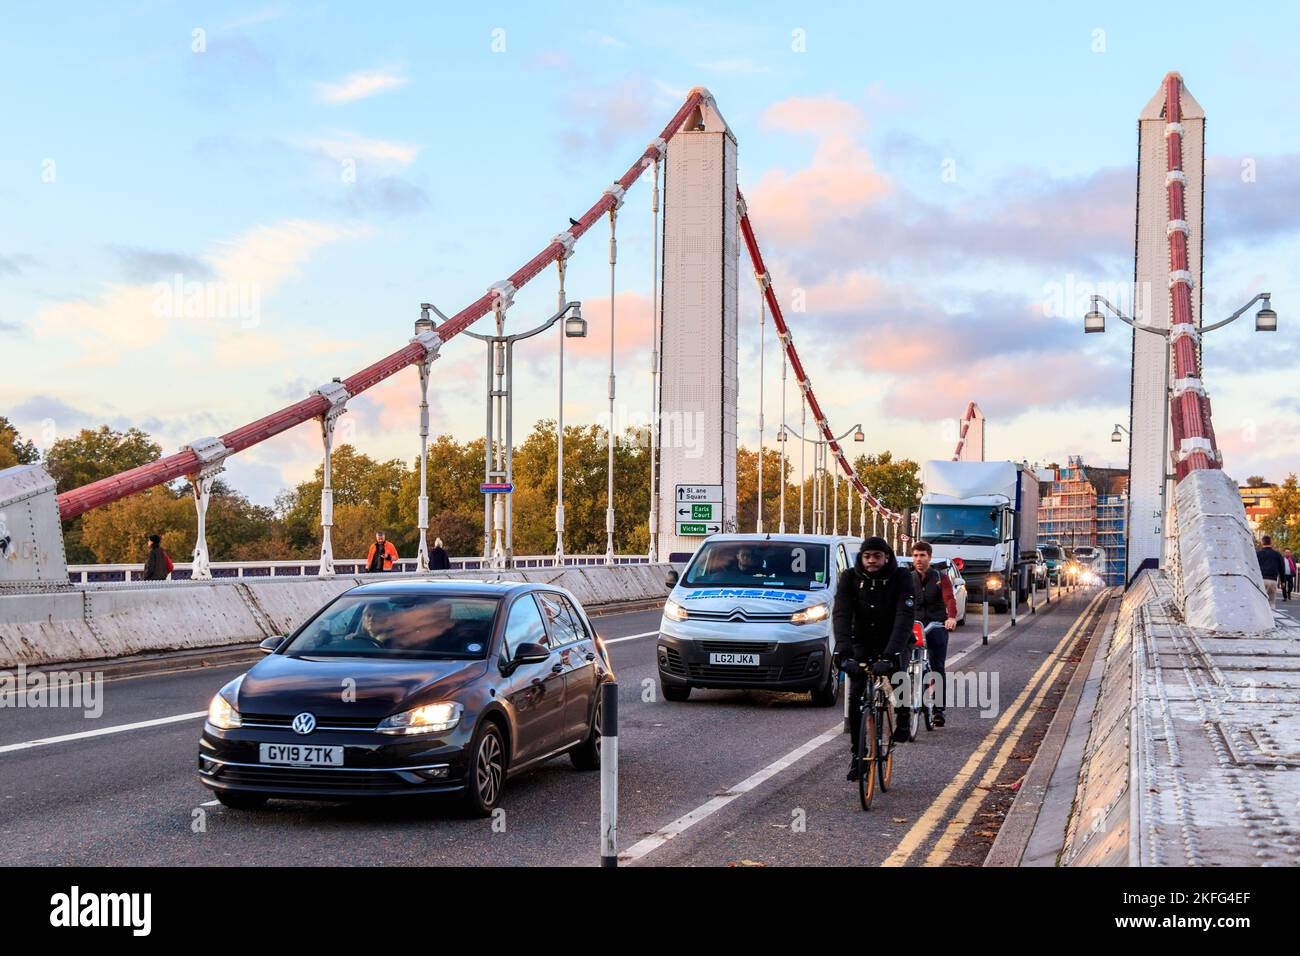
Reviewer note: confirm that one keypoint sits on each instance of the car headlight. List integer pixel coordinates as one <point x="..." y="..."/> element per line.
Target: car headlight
<point x="810" y="614"/>
<point x="993" y="583"/>
<point x="221" y="711"/>
<point x="428" y="719"/>
<point x="222" y="715"/>
<point x="674" y="611"/>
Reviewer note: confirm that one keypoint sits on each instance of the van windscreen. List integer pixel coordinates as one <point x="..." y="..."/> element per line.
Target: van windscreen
<point x="793" y="565"/>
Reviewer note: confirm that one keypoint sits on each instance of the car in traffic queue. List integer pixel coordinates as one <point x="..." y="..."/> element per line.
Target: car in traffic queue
<point x="411" y="688"/>
<point x="953" y="572"/>
<point x="1054" y="557"/>
<point x="753" y="611"/>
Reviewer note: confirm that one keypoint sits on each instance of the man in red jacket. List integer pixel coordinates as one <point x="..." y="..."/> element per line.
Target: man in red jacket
<point x="935" y="604"/>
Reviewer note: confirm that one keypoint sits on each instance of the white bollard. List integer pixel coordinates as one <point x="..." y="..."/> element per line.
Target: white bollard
<point x="1015" y="593"/>
<point x="986" y="616"/>
<point x="609" y="774"/>
<point x="1033" y="594"/>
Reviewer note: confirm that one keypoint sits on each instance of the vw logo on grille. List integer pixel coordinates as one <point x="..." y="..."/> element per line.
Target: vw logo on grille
<point x="304" y="723"/>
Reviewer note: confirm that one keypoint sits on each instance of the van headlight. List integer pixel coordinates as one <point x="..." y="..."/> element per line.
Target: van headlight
<point x="221" y="710"/>
<point x="810" y="614"/>
<point x="993" y="583"/>
<point x="428" y="719"/>
<point x="674" y="611"/>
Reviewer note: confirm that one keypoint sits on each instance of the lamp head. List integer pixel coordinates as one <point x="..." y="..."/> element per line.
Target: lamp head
<point x="425" y="322"/>
<point x="1094" y="321"/>
<point x="1266" y="318"/>
<point x="1115" y="435"/>
<point x="575" y="326"/>
<point x="858" y="434"/>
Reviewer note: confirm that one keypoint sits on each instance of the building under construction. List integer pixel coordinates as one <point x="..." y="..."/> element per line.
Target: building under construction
<point x="1086" y="506"/>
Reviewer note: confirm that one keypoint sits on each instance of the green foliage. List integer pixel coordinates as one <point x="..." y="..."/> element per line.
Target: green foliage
<point x="1283" y="522"/>
<point x="13" y="449"/>
<point x="372" y="494"/>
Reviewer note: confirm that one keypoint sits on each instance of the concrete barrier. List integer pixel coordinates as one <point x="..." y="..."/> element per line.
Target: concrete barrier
<point x="1220" y="585"/>
<point x="1192" y="756"/>
<point x="89" y="622"/>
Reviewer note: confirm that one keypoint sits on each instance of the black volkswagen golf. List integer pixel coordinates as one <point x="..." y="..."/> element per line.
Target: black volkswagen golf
<point x="415" y="687"/>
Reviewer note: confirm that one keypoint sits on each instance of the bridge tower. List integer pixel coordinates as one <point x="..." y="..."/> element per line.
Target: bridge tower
<point x="697" y="400"/>
<point x="1150" y="465"/>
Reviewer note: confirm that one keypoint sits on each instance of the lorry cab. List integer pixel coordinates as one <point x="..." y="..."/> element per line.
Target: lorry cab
<point x="985" y="514"/>
<point x="753" y="611"/>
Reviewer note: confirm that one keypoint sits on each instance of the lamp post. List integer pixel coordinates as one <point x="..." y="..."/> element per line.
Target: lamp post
<point x="821" y="457"/>
<point x="1095" y="322"/>
<point x="1115" y="436"/>
<point x="424" y="328"/>
<point x="499" y="514"/>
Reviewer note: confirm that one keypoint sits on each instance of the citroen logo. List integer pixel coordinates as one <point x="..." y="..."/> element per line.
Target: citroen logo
<point x="304" y="723"/>
<point x="737" y="614"/>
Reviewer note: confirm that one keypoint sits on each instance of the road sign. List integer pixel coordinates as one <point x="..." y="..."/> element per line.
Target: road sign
<point x="685" y="527"/>
<point x="496" y="487"/>
<point x="698" y="509"/>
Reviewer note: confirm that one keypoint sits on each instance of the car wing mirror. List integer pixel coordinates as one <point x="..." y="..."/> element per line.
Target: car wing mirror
<point x="529" y="653"/>
<point x="271" y="644"/>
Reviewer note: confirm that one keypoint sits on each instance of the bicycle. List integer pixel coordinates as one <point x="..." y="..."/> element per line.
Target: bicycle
<point x="920" y="683"/>
<point x="875" y="750"/>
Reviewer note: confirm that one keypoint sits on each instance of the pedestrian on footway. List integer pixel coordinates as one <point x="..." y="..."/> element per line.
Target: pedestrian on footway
<point x="158" y="564"/>
<point x="1288" y="574"/>
<point x="875" y="608"/>
<point x="1270" y="569"/>
<point x="438" y="559"/>
<point x="382" y="554"/>
<point x="935" y="604"/>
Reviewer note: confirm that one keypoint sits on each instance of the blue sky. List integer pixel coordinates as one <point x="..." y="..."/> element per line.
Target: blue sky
<point x="343" y="165"/>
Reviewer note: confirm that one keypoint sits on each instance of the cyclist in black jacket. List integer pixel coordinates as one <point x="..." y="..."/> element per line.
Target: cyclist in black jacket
<point x="875" y="607"/>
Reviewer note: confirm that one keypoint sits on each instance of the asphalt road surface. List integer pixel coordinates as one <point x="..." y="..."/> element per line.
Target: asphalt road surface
<point x="729" y="777"/>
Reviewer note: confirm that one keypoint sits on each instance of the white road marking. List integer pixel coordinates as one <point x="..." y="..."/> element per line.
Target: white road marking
<point x="657" y="839"/>
<point x="119" y="728"/>
<point x="653" y="842"/>
<point x="630" y="637"/>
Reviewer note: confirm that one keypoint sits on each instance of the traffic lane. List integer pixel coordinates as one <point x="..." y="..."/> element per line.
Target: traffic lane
<point x="134" y="798"/>
<point x="810" y="815"/>
<point x="128" y="700"/>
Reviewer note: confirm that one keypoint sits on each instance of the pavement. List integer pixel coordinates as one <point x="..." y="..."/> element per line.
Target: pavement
<point x="726" y="778"/>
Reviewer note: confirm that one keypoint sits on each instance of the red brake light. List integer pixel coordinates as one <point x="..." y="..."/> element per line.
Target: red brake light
<point x="919" y="633"/>
<point x="958" y="563"/>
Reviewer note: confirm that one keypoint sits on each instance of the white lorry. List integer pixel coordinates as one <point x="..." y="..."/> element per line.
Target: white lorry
<point x="985" y="515"/>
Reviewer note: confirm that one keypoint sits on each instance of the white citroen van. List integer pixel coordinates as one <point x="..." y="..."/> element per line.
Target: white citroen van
<point x="754" y="611"/>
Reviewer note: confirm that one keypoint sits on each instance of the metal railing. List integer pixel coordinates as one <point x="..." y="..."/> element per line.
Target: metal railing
<point x="112" y="573"/>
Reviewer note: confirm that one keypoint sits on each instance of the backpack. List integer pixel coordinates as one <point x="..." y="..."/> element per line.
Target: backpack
<point x="168" y="558"/>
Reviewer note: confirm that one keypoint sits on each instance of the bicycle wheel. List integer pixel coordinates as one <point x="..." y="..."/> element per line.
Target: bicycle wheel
<point x="927" y="683"/>
<point x="884" y="740"/>
<point x="867" y="757"/>
<point x="916" y="693"/>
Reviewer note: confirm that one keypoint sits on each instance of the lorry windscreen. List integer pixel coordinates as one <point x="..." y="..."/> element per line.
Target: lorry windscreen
<point x="960" y="524"/>
<point x="792" y="565"/>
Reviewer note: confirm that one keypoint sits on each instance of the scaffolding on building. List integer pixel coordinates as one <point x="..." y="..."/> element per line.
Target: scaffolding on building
<point x="1079" y="508"/>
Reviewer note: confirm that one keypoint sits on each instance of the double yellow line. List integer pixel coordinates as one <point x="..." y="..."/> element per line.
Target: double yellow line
<point x="1037" y="686"/>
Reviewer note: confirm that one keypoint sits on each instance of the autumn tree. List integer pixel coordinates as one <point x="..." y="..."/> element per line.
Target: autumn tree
<point x="88" y="456"/>
<point x="13" y="449"/>
<point x="1282" y="524"/>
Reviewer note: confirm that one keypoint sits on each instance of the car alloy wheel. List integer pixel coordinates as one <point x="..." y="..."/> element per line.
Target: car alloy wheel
<point x="489" y="769"/>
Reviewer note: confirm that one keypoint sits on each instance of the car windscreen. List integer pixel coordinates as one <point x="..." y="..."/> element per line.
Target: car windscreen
<point x="961" y="524"/>
<point x="793" y="565"/>
<point x="420" y="626"/>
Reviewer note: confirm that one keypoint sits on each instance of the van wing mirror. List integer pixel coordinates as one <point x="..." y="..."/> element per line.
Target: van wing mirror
<point x="671" y="580"/>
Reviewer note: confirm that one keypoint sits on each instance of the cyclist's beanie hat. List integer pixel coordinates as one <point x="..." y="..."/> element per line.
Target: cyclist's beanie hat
<point x="876" y="544"/>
